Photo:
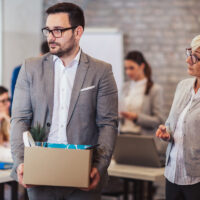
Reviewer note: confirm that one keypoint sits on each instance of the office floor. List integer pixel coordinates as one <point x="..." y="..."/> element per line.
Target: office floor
<point x="159" y="193"/>
<point x="7" y="192"/>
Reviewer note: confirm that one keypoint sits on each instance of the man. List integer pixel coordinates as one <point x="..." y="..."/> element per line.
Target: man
<point x="72" y="95"/>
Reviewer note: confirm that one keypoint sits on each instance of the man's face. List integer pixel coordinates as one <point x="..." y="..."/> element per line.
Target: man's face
<point x="4" y="103"/>
<point x="66" y="44"/>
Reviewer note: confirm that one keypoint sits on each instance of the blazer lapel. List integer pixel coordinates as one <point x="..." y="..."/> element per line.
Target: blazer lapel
<point x="49" y="82"/>
<point x="181" y="105"/>
<point x="186" y="99"/>
<point x="78" y="82"/>
<point x="195" y="101"/>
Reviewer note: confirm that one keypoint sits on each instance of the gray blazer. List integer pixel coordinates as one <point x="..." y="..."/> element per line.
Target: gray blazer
<point x="152" y="114"/>
<point x="191" y="127"/>
<point x="93" y="113"/>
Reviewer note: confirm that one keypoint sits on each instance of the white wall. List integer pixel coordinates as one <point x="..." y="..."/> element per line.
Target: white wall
<point x="1" y="46"/>
<point x="106" y="44"/>
<point x="22" y="21"/>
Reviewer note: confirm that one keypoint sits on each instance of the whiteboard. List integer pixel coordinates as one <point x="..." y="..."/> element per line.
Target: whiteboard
<point x="107" y="45"/>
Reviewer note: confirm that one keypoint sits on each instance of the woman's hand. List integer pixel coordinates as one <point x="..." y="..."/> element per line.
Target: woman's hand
<point x="162" y="133"/>
<point x="129" y="115"/>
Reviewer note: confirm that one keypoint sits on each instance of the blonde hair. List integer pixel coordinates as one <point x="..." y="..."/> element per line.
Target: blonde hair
<point x="195" y="44"/>
<point x="4" y="130"/>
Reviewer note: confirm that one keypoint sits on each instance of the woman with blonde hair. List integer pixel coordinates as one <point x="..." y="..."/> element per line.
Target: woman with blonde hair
<point x="181" y="131"/>
<point x="5" y="154"/>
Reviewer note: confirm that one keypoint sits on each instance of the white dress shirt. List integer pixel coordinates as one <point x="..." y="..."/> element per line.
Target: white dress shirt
<point x="133" y="103"/>
<point x="63" y="83"/>
<point x="175" y="171"/>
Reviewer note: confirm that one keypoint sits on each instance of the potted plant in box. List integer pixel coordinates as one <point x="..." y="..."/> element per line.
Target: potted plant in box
<point x="38" y="134"/>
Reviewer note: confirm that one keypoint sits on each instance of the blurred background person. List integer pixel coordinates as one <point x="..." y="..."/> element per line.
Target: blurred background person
<point x="5" y="151"/>
<point x="5" y="154"/>
<point x="141" y="102"/>
<point x="4" y="102"/>
<point x="181" y="130"/>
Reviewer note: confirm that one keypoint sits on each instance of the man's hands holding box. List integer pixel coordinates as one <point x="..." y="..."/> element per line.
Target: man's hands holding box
<point x="94" y="176"/>
<point x="20" y="173"/>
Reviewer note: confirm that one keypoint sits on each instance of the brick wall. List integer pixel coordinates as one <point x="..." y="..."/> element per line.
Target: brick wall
<point x="161" y="29"/>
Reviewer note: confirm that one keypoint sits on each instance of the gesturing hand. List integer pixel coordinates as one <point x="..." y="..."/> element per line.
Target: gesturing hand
<point x="162" y="133"/>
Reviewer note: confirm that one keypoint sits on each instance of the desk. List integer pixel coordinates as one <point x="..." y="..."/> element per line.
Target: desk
<point x="138" y="174"/>
<point x="5" y="178"/>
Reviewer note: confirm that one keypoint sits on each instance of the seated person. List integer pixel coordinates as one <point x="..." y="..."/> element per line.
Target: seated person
<point x="5" y="154"/>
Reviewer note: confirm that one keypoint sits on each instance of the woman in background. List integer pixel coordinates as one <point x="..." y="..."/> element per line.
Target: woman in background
<point x="5" y="154"/>
<point x="141" y="104"/>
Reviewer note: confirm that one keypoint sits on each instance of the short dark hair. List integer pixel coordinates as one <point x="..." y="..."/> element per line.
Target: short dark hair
<point x="44" y="47"/>
<point x="76" y="15"/>
<point x="3" y="90"/>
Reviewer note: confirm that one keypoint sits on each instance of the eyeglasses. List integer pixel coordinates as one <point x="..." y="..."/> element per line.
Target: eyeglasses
<point x="57" y="33"/>
<point x="4" y="101"/>
<point x="193" y="57"/>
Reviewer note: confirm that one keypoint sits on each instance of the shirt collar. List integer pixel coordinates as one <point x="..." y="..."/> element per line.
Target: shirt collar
<point x="75" y="60"/>
<point x="197" y="94"/>
<point x="140" y="82"/>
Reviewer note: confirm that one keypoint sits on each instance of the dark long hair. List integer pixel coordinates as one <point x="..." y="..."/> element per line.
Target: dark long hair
<point x="138" y="58"/>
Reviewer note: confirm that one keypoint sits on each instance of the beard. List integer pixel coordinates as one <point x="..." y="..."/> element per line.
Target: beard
<point x="67" y="51"/>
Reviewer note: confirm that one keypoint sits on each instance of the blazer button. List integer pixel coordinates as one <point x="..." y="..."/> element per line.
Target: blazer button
<point x="48" y="124"/>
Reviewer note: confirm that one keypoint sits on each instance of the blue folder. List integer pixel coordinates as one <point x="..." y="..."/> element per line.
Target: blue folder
<point x="6" y="165"/>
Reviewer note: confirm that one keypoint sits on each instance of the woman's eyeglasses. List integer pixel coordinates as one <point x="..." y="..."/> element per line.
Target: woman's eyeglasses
<point x="193" y="57"/>
<point x="4" y="101"/>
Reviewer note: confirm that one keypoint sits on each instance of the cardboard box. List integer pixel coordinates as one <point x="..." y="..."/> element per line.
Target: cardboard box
<point x="57" y="167"/>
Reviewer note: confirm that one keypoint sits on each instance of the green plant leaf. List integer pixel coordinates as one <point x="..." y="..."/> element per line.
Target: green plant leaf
<point x="38" y="133"/>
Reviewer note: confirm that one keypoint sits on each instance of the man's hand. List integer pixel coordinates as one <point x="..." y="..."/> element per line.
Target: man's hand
<point x="162" y="133"/>
<point x="129" y="115"/>
<point x="95" y="178"/>
<point x="20" y="173"/>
